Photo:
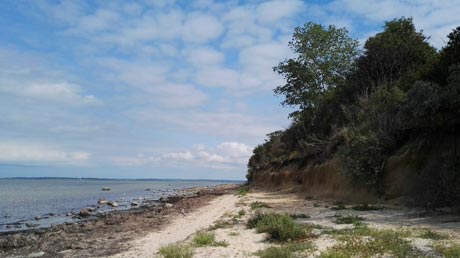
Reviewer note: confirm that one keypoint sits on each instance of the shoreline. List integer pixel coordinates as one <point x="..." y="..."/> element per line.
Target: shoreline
<point x="106" y="235"/>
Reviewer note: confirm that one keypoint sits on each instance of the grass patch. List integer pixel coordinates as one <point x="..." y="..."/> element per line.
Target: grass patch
<point x="220" y="224"/>
<point x="258" y="205"/>
<point x="429" y="234"/>
<point x="367" y="207"/>
<point x="280" y="227"/>
<point x="242" y="191"/>
<point x="241" y="213"/>
<point x="350" y="219"/>
<point x="204" y="238"/>
<point x="452" y="251"/>
<point x="233" y="233"/>
<point x="378" y="242"/>
<point x="284" y="251"/>
<point x="176" y="251"/>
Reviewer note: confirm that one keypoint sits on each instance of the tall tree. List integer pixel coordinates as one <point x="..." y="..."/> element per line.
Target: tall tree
<point x="325" y="56"/>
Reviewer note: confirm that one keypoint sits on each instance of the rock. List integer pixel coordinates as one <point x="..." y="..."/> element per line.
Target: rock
<point x="102" y="201"/>
<point x="168" y="205"/>
<point x="105" y="189"/>
<point x="36" y="254"/>
<point x="148" y="189"/>
<point x="134" y="204"/>
<point x="31" y="225"/>
<point x="113" y="204"/>
<point x="68" y="214"/>
<point x="85" y="212"/>
<point x="38" y="218"/>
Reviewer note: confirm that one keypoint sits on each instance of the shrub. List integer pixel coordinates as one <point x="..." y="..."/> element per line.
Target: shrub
<point x="176" y="251"/>
<point x="452" y="251"/>
<point x="280" y="227"/>
<point x="429" y="234"/>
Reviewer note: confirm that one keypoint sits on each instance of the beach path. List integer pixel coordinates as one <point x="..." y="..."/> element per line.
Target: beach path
<point x="181" y="228"/>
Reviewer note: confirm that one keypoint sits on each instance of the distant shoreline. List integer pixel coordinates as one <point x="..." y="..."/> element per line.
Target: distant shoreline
<point x="122" y="179"/>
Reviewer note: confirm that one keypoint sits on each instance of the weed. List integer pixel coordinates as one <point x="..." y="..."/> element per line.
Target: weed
<point x="241" y="213"/>
<point x="258" y="205"/>
<point x="284" y="251"/>
<point x="204" y="238"/>
<point x="280" y="227"/>
<point x="233" y="233"/>
<point x="176" y="251"/>
<point x="309" y="197"/>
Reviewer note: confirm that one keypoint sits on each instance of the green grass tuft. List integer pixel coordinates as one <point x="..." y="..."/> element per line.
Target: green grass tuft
<point x="299" y="216"/>
<point x="280" y="227"/>
<point x="284" y="251"/>
<point x="204" y="238"/>
<point x="176" y="251"/>
<point x="242" y="191"/>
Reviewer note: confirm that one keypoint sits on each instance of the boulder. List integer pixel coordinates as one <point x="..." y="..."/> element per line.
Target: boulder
<point x="168" y="205"/>
<point x="135" y="204"/>
<point x="105" y="188"/>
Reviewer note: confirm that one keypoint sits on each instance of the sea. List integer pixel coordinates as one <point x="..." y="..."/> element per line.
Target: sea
<point x="23" y="200"/>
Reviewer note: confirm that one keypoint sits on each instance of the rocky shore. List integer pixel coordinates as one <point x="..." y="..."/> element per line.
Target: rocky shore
<point x="99" y="232"/>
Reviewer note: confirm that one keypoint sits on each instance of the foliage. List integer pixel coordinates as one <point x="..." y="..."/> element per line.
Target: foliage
<point x="452" y="251"/>
<point x="176" y="251"/>
<point x="399" y="95"/>
<point x="325" y="55"/>
<point x="280" y="227"/>
<point x="284" y="251"/>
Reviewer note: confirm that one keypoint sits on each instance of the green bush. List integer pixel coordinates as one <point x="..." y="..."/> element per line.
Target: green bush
<point x="280" y="227"/>
<point x="258" y="205"/>
<point x="176" y="251"/>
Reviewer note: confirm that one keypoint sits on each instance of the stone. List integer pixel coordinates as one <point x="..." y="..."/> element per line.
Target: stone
<point x="105" y="188"/>
<point x="85" y="212"/>
<point x="36" y="254"/>
<point x="168" y="205"/>
<point x="113" y="204"/>
<point x="102" y="201"/>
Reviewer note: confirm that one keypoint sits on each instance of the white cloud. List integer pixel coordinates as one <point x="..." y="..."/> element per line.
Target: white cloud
<point x="272" y="11"/>
<point x="199" y="28"/>
<point x="204" y="56"/>
<point x="29" y="153"/>
<point x="63" y="92"/>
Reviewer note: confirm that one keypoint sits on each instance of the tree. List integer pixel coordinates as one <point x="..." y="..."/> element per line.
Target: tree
<point x="325" y="56"/>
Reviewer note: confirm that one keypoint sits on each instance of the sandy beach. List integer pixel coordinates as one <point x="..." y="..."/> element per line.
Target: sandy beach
<point x="225" y="215"/>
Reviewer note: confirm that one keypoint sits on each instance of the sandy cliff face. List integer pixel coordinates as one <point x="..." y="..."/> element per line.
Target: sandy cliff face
<point x="326" y="180"/>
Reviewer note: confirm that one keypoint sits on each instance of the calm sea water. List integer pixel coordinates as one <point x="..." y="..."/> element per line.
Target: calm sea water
<point x="21" y="200"/>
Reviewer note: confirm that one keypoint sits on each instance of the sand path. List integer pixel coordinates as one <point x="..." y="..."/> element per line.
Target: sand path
<point x="181" y="228"/>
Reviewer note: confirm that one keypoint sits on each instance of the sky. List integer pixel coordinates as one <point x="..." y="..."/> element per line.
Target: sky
<point x="159" y="88"/>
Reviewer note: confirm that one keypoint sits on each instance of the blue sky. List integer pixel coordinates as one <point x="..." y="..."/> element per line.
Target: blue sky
<point x="160" y="89"/>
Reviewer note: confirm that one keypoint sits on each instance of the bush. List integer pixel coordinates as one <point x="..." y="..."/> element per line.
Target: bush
<point x="350" y="219"/>
<point x="176" y="251"/>
<point x="280" y="227"/>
